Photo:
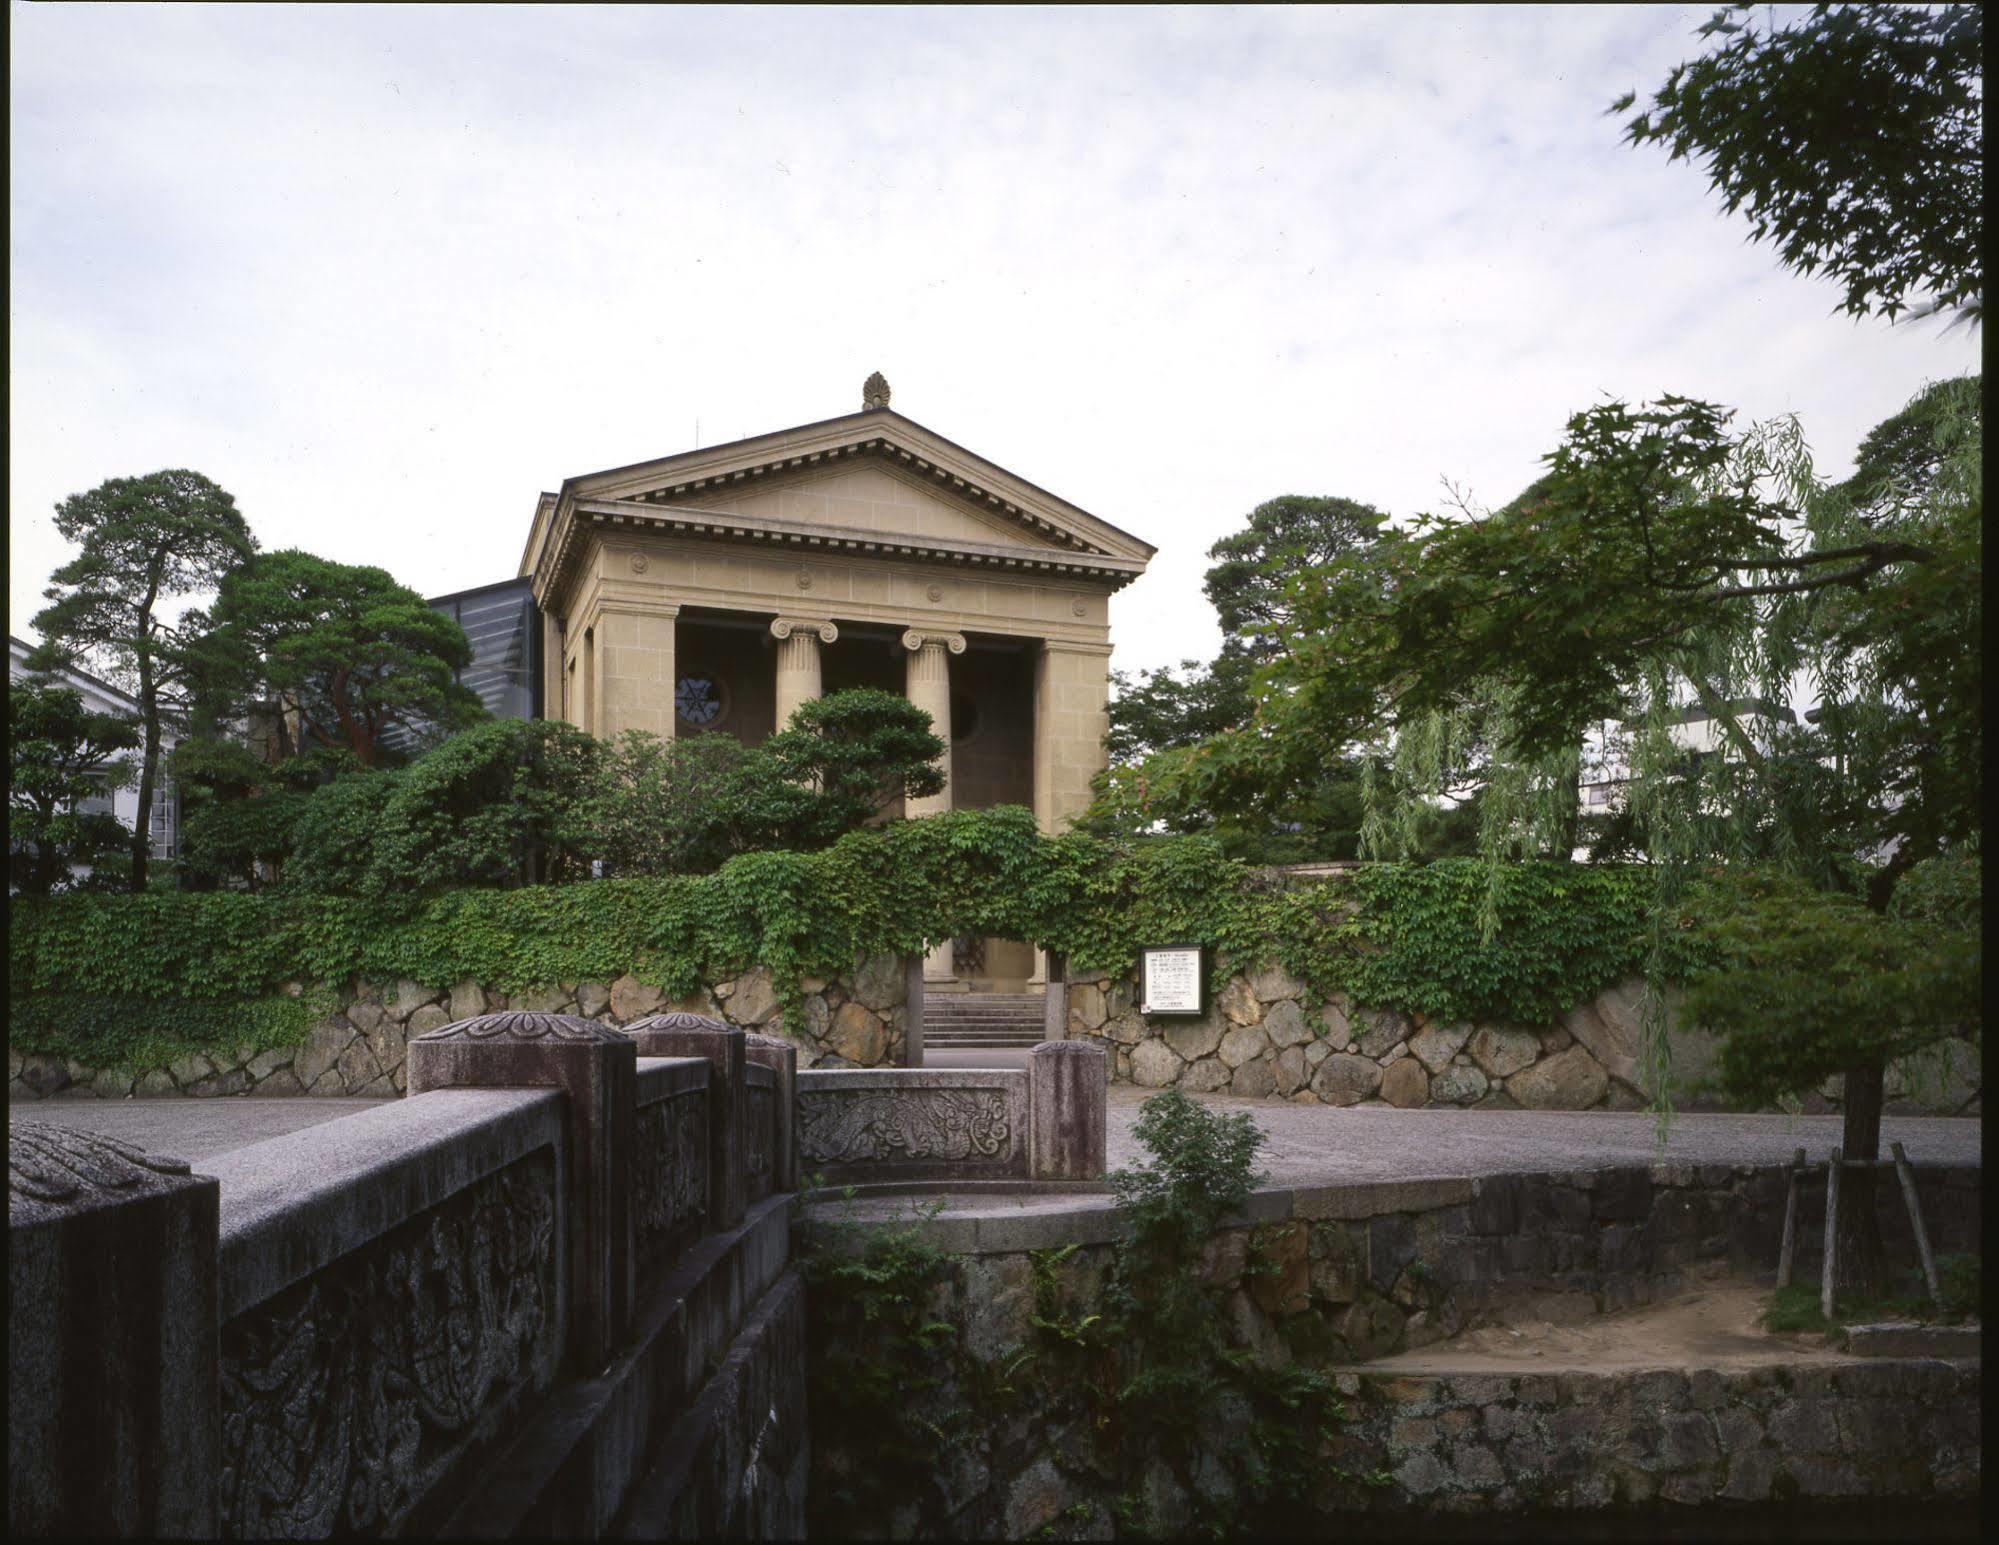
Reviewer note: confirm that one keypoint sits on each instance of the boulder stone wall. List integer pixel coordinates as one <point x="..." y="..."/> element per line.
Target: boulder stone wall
<point x="1267" y="1036"/>
<point x="359" y="1049"/>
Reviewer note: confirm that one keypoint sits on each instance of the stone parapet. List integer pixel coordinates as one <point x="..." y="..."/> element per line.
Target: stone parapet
<point x="112" y="1393"/>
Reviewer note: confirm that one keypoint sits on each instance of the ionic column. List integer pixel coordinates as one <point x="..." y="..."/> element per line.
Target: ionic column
<point x="798" y="675"/>
<point x="929" y="688"/>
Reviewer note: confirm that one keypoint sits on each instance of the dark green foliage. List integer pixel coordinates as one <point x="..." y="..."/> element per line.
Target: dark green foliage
<point x="349" y="651"/>
<point x="1249" y="582"/>
<point x="1850" y="138"/>
<point x="146" y="541"/>
<point x="1805" y="983"/>
<point x="680" y="806"/>
<point x="506" y="803"/>
<point x="60" y="754"/>
<point x="134" y="1035"/>
<point x="333" y="836"/>
<point x="845" y="758"/>
<point x="882" y="1366"/>
<point x="1159" y="710"/>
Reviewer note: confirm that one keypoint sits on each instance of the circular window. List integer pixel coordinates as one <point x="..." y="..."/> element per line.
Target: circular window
<point x="964" y="717"/>
<point x="699" y="699"/>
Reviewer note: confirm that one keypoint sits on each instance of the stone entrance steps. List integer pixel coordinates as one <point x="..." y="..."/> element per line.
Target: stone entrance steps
<point x="983" y="1020"/>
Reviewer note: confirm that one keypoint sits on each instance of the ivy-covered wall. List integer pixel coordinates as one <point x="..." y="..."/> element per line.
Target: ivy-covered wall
<point x="145" y="984"/>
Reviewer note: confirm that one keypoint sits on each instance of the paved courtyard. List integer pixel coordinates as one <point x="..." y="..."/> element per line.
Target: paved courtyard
<point x="1306" y="1145"/>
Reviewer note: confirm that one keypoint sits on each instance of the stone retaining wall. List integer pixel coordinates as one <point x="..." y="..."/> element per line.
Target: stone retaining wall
<point x="1344" y="1275"/>
<point x="1479" y="1443"/>
<point x="853" y="1021"/>
<point x="1265" y="1035"/>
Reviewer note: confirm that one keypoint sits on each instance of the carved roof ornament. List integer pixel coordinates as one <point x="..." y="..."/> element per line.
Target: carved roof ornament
<point x="521" y="1025"/>
<point x="59" y="1169"/>
<point x="874" y="392"/>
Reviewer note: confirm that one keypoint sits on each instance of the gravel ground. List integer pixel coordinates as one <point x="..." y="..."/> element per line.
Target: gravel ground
<point x="188" y="1128"/>
<point x="1331" y="1145"/>
<point x="1305" y="1144"/>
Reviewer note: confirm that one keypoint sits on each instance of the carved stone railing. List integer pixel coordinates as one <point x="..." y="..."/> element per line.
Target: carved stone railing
<point x="495" y="1306"/>
<point x="669" y="1161"/>
<point x="760" y="1092"/>
<point x="896" y="1125"/>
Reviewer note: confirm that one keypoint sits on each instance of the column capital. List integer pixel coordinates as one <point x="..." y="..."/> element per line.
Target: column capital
<point x="784" y="627"/>
<point x="919" y="638"/>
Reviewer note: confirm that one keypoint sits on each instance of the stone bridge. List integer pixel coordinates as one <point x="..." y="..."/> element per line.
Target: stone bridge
<point x="547" y="1294"/>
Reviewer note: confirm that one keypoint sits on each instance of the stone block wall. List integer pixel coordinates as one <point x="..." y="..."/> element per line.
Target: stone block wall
<point x="1487" y="1443"/>
<point x="1346" y="1275"/>
<point x="1266" y="1036"/>
<point x="359" y="1049"/>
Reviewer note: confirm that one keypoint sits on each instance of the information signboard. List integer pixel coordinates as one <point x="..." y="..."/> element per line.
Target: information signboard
<point x="1173" y="980"/>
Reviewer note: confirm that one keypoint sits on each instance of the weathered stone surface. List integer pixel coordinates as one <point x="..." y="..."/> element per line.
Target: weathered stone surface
<point x="1371" y="1327"/>
<point x="1126" y="1029"/>
<point x="265" y="1063"/>
<point x="1253" y="1080"/>
<point x="1207" y="1075"/>
<point x="878" y="983"/>
<point x="592" y="999"/>
<point x="998" y="1304"/>
<point x="1346" y="1079"/>
<point x="357" y="1067"/>
<point x="755" y="998"/>
<point x="1285" y="1289"/>
<point x="329" y="1038"/>
<point x="1569" y="1080"/>
<point x="1289" y="1070"/>
<point x="1317" y="1052"/>
<point x="1336" y="1264"/>
<point x="857" y="1035"/>
<point x="430" y="1017"/>
<point x="366" y="1015"/>
<point x="190" y="1070"/>
<point x="555" y="999"/>
<point x="818" y="1017"/>
<point x="1274" y="982"/>
<point x="1383" y="1029"/>
<point x="1501" y="1052"/>
<point x="282" y="1082"/>
<point x="1609" y="1027"/>
<point x="1194" y="1038"/>
<point x="1038" y="1498"/>
<point x="632" y="999"/>
<point x="411" y="996"/>
<point x="1435" y="1045"/>
<point x="1459" y="1084"/>
<point x="1154" y="1065"/>
<point x="1553" y="1039"/>
<point x="154" y="1085"/>
<point x="233" y="1081"/>
<point x="1333" y="1016"/>
<point x="1239" y="1003"/>
<point x="468" y="1000"/>
<point x="1243" y="1044"/>
<point x="1285" y="1025"/>
<point x="1086" y="1006"/>
<point x="1404" y="1083"/>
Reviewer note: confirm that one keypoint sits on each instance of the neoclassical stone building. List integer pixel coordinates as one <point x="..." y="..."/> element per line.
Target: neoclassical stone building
<point x="717" y="589"/>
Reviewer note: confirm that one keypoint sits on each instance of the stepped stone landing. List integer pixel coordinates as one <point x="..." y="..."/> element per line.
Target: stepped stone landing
<point x="983" y="1021"/>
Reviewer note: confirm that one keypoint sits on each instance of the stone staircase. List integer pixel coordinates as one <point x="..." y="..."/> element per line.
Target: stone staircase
<point x="982" y="1021"/>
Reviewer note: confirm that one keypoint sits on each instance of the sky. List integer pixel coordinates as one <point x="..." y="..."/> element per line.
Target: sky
<point x="385" y="273"/>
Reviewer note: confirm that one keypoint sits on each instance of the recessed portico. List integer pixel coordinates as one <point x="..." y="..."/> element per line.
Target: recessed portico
<point x="719" y="589"/>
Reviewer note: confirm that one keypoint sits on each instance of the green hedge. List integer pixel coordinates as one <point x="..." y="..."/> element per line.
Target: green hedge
<point x="208" y="970"/>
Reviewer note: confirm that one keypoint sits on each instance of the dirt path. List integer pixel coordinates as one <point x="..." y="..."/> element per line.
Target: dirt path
<point x="1713" y="1327"/>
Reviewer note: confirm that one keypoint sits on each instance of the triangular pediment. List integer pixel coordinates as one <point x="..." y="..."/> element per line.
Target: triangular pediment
<point x="871" y="471"/>
<point x="867" y="495"/>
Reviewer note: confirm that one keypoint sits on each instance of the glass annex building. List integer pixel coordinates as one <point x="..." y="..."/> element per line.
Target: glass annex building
<point x="505" y="630"/>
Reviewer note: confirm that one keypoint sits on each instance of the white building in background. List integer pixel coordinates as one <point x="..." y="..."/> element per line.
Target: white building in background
<point x="102" y="697"/>
<point x="1606" y="770"/>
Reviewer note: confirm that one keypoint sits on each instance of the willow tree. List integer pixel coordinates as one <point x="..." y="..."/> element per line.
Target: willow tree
<point x="1666" y="562"/>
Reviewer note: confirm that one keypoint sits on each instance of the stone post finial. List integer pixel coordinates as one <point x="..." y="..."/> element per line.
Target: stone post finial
<point x="874" y="392"/>
<point x="114" y="1415"/>
<point x="597" y="1068"/>
<point x="721" y="1045"/>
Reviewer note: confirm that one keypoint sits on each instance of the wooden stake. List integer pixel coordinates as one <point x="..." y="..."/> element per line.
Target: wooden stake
<point x="1831" y="1234"/>
<point x="1787" y="1254"/>
<point x="1906" y="1173"/>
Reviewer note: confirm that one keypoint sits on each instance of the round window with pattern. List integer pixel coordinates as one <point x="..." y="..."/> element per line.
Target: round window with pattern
<point x="699" y="699"/>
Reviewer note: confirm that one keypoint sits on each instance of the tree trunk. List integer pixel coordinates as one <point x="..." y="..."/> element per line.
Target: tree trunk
<point x="149" y="771"/>
<point x="1861" y="1271"/>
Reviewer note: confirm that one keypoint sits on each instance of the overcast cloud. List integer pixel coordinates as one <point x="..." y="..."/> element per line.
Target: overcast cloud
<point x="386" y="273"/>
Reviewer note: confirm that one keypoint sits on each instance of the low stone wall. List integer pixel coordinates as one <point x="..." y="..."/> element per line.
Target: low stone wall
<point x="1487" y="1443"/>
<point x="1265" y="1035"/>
<point x="359" y="1049"/>
<point x="1044" y="1123"/>
<point x="1337" y="1276"/>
